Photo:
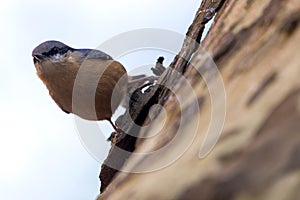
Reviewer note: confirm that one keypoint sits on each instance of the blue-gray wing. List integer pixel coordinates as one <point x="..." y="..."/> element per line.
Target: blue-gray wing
<point x="95" y="54"/>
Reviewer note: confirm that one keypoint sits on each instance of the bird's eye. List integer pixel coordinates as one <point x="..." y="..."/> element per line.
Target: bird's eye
<point x="54" y="51"/>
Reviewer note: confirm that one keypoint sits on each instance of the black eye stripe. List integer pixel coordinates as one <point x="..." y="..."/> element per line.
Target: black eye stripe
<point x="56" y="50"/>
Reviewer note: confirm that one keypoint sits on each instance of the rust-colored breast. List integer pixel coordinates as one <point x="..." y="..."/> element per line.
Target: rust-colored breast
<point x="98" y="89"/>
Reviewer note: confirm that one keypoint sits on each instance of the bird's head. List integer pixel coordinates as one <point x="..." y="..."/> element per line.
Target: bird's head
<point x="53" y="51"/>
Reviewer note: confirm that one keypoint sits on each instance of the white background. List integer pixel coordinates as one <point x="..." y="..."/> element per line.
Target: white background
<point x="40" y="151"/>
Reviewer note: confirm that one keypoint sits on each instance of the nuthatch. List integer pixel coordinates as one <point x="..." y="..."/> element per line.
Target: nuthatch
<point x="65" y="71"/>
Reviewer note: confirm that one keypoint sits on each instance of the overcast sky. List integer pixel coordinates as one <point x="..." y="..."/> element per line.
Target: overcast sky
<point x="42" y="156"/>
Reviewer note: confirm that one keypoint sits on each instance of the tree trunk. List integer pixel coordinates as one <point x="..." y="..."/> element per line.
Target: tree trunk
<point x="255" y="47"/>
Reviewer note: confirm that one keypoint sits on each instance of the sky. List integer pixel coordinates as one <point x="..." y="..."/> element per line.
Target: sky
<point x="42" y="154"/>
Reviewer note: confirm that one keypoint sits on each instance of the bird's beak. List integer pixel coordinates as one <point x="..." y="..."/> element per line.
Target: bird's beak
<point x="38" y="57"/>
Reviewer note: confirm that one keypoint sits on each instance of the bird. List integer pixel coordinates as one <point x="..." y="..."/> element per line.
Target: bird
<point x="86" y="82"/>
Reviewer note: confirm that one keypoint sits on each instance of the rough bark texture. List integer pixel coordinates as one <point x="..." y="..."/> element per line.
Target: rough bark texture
<point x="255" y="45"/>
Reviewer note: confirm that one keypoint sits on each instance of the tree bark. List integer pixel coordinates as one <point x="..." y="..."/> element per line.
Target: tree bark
<point x="255" y="46"/>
